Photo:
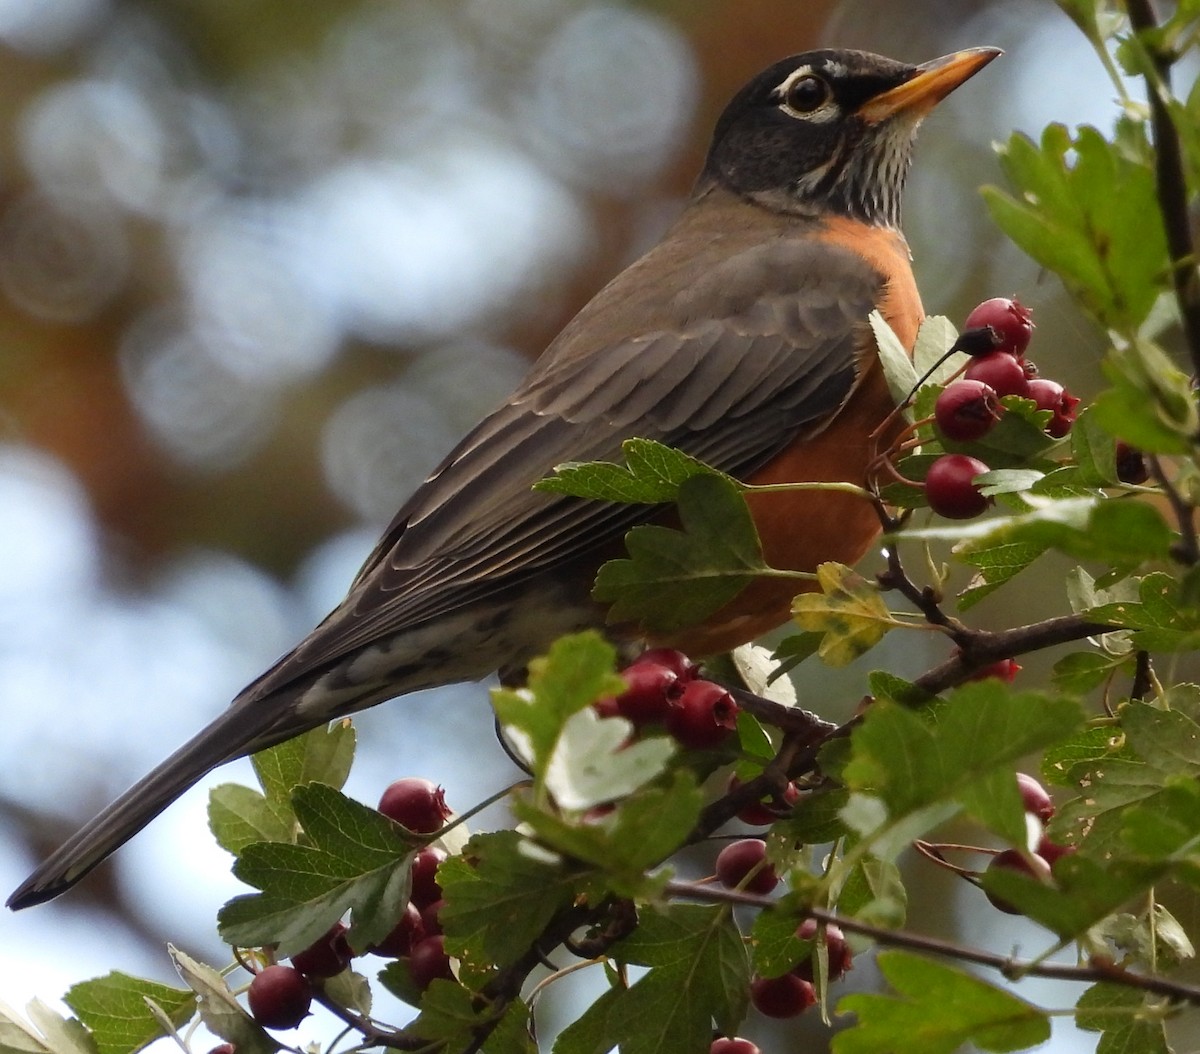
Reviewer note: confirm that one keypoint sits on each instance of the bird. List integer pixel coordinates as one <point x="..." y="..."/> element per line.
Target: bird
<point x="741" y="338"/>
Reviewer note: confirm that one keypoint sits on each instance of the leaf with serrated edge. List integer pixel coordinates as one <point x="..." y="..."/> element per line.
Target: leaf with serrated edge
<point x="849" y="610"/>
<point x="935" y="336"/>
<point x="219" y="1009"/>
<point x="593" y="761"/>
<point x="1119" y="1013"/>
<point x="898" y="369"/>
<point x="238" y="816"/>
<point x="46" y="1032"/>
<point x="113" y="1008"/>
<point x="322" y="755"/>
<point x="935" y="1010"/>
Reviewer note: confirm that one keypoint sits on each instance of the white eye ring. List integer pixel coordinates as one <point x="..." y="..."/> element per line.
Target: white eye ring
<point x="807" y="96"/>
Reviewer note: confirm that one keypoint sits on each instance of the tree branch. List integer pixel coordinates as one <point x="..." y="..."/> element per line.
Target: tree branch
<point x="1011" y="967"/>
<point x="1170" y="180"/>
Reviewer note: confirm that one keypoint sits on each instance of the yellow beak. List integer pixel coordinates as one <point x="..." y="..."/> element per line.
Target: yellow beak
<point x="928" y="86"/>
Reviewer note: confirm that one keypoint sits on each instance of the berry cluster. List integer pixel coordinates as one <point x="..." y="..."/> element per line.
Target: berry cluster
<point x="996" y="335"/>
<point x="280" y="996"/>
<point x="1039" y="863"/>
<point x="792" y="993"/>
<point x="665" y="689"/>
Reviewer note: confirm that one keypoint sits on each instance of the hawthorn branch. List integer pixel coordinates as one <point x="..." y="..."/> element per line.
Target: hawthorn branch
<point x="1170" y="179"/>
<point x="1009" y="966"/>
<point x="1187" y="549"/>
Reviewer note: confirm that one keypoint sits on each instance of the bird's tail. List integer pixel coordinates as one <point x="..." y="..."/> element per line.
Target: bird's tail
<point x="243" y="728"/>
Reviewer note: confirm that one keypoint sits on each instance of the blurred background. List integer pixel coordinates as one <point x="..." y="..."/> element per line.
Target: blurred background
<point x="263" y="261"/>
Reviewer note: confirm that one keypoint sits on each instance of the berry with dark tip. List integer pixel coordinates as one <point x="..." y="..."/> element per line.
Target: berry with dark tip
<point x="1013" y="860"/>
<point x="649" y="693"/>
<point x="786" y="996"/>
<point x="1001" y="372"/>
<point x="1003" y="669"/>
<point x="403" y="936"/>
<point x="950" y="487"/>
<point x="1050" y="395"/>
<point x="429" y="961"/>
<point x="1010" y="321"/>
<point x="703" y="716"/>
<point x="743" y="865"/>
<point x="733" y="1045"/>
<point x="327" y="956"/>
<point x="279" y="997"/>
<point x="1131" y="464"/>
<point x="838" y="953"/>
<point x="967" y="410"/>
<point x="418" y="804"/>
<point x="1034" y="798"/>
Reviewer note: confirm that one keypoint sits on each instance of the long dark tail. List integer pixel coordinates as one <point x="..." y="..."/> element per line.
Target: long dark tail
<point x="246" y="726"/>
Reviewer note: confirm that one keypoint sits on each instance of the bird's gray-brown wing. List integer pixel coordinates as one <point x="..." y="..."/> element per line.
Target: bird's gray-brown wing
<point x="728" y="362"/>
<point x="747" y="353"/>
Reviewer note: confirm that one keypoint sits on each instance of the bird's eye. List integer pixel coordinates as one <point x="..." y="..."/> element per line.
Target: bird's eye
<point x="806" y="94"/>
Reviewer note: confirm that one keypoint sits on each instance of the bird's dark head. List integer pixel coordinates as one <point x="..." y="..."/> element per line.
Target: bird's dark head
<point x="831" y="131"/>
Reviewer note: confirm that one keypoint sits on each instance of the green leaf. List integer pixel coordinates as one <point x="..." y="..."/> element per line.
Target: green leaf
<point x="652" y="474"/>
<point x="1162" y="619"/>
<point x="1128" y="1020"/>
<point x="219" y="1009"/>
<point x="451" y="1018"/>
<point x="936" y="1009"/>
<point x="578" y="670"/>
<point x="1151" y="404"/>
<point x="500" y="893"/>
<point x="320" y="756"/>
<point x="936" y="336"/>
<point x="873" y="892"/>
<point x="910" y="760"/>
<point x="46" y="1032"/>
<point x="1094" y="451"/>
<point x="699" y="973"/>
<point x="1081" y="671"/>
<point x="898" y="369"/>
<point x="114" y="1009"/>
<point x="849" y="611"/>
<point x="594" y="761"/>
<point x="996" y="564"/>
<point x="238" y="816"/>
<point x="676" y="578"/>
<point x="816" y="818"/>
<point x="355" y="860"/>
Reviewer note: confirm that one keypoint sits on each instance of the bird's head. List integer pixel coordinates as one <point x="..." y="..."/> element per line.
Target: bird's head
<point x="831" y="131"/>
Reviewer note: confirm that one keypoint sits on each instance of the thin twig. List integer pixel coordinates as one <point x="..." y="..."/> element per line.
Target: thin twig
<point x="1187" y="549"/>
<point x="1170" y="180"/>
<point x="1012" y="968"/>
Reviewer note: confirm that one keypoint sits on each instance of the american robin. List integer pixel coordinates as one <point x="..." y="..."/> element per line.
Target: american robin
<point x="741" y="338"/>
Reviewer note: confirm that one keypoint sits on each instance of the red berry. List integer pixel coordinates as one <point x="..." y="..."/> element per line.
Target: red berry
<point x="838" y="953"/>
<point x="327" y="956"/>
<point x="675" y="661"/>
<point x="1000" y="371"/>
<point x="766" y="811"/>
<point x="950" y="488"/>
<point x="1005" y="670"/>
<point x="1010" y="322"/>
<point x="279" y="997"/>
<point x="429" y="961"/>
<point x="651" y="688"/>
<point x="967" y="410"/>
<point x="785" y="996"/>
<point x="223" y="1048"/>
<point x="1034" y="798"/>
<point x="1052" y="851"/>
<point x="1013" y="860"/>
<point x="1050" y="395"/>
<point x="418" y="804"/>
<point x="404" y="935"/>
<point x="733" y="1045"/>
<point x="429" y="917"/>
<point x="606" y="707"/>
<point x="425" y="888"/>
<point x="1131" y="464"/>
<point x="703" y="716"/>
<point x="737" y="861"/>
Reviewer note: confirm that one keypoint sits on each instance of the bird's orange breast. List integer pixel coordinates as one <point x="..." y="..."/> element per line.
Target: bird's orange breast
<point x="799" y="530"/>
